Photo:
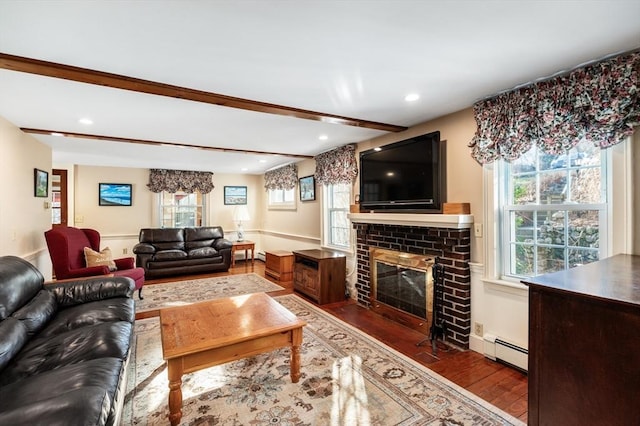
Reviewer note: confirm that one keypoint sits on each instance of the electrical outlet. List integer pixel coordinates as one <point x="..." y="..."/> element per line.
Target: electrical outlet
<point x="125" y="251"/>
<point x="478" y="329"/>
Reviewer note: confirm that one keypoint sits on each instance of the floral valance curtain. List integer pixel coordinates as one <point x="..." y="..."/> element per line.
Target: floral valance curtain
<point x="599" y="102"/>
<point x="180" y="180"/>
<point x="285" y="177"/>
<point x="337" y="166"/>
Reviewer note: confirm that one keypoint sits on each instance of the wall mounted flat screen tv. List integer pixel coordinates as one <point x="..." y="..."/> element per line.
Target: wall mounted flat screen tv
<point x="405" y="176"/>
<point x="114" y="194"/>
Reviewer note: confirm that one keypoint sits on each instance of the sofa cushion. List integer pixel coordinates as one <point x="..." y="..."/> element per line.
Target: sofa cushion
<point x="20" y="282"/>
<point x="202" y="236"/>
<point x="38" y="312"/>
<point x="99" y="258"/>
<point x="83" y="395"/>
<point x="186" y="263"/>
<point x="170" y="255"/>
<point x="116" y="309"/>
<point x="202" y="252"/>
<point x="103" y="340"/>
<point x="163" y="238"/>
<point x="13" y="336"/>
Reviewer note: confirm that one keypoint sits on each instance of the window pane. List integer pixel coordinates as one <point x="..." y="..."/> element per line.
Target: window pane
<point x="579" y="257"/>
<point x="282" y="198"/>
<point x="522" y="259"/>
<point x="524" y="189"/>
<point x="584" y="229"/>
<point x="522" y="226"/>
<point x="586" y="186"/>
<point x="181" y="209"/>
<point x="550" y="225"/>
<point x="337" y="208"/>
<point x="288" y="196"/>
<point x="550" y="259"/>
<point x="553" y="187"/>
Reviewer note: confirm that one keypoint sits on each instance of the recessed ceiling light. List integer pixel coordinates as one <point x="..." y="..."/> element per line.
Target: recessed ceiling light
<point x="411" y="97"/>
<point x="56" y="134"/>
<point x="86" y="121"/>
<point x="244" y="169"/>
<point x="323" y="137"/>
<point x="262" y="161"/>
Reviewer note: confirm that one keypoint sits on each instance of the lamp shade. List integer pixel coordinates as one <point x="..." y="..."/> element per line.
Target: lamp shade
<point x="241" y="214"/>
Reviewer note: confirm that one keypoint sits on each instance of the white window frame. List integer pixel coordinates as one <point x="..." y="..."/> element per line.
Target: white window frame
<point x="506" y="209"/>
<point x="161" y="207"/>
<point x="619" y="235"/>
<point x="284" y="205"/>
<point x="326" y="220"/>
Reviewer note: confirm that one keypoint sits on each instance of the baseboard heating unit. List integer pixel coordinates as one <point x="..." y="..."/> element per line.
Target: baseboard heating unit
<point x="500" y="350"/>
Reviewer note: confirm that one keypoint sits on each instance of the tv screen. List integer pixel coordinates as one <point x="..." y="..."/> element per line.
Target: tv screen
<point x="114" y="194"/>
<point x="406" y="176"/>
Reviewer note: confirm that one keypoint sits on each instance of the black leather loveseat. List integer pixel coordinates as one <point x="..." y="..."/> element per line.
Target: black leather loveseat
<point x="64" y="347"/>
<point x="173" y="251"/>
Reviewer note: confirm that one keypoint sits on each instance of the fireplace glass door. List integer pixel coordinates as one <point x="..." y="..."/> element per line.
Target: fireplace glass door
<point x="402" y="288"/>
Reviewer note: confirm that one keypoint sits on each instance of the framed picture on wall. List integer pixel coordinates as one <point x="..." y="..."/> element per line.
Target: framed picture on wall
<point x="40" y="183"/>
<point x="307" y="188"/>
<point x="234" y="195"/>
<point x="114" y="194"/>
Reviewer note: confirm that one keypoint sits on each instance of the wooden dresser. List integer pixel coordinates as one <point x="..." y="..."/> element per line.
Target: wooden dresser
<point x="320" y="275"/>
<point x="584" y="344"/>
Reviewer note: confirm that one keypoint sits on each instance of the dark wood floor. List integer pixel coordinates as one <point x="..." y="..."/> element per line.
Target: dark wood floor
<point x="502" y="386"/>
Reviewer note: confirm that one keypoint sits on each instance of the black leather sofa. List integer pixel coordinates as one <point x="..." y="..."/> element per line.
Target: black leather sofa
<point x="174" y="251"/>
<point x="64" y="347"/>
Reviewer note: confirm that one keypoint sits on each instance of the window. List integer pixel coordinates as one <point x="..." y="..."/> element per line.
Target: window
<point x="182" y="209"/>
<point x="553" y="211"/>
<point x="282" y="198"/>
<point x="337" y="226"/>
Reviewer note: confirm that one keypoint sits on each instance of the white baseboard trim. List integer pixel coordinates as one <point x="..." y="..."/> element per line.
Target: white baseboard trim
<point x="476" y="344"/>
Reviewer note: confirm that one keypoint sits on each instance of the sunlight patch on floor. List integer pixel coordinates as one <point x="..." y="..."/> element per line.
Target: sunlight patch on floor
<point x="350" y="403"/>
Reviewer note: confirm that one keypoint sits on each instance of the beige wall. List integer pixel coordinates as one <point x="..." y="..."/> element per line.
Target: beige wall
<point x="23" y="217"/>
<point x="292" y="229"/>
<point x="119" y="226"/>
<point x="111" y="220"/>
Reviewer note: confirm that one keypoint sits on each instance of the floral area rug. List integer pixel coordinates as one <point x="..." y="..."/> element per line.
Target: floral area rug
<point x="178" y="293"/>
<point x="348" y="378"/>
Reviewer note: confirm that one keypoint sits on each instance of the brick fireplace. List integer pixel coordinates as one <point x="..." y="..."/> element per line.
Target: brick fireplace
<point x="446" y="237"/>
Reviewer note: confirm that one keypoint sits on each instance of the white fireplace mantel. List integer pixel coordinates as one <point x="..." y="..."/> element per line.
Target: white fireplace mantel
<point x="458" y="221"/>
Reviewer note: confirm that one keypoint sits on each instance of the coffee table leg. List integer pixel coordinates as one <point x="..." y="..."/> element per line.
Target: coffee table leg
<point x="174" y="369"/>
<point x="296" y="341"/>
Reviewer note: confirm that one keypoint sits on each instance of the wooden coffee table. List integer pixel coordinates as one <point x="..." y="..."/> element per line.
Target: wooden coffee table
<point x="205" y="334"/>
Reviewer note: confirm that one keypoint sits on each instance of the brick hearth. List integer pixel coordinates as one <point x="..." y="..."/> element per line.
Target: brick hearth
<point x="453" y="248"/>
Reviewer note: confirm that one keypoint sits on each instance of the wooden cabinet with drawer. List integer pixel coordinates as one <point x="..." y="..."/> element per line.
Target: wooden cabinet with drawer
<point x="320" y="275"/>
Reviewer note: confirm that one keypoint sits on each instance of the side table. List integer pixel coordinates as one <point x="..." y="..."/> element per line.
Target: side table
<point x="279" y="264"/>
<point x="243" y="245"/>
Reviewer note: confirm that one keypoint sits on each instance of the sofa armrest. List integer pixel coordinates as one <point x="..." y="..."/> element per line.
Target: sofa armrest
<point x="90" y="271"/>
<point x="124" y="263"/>
<point x="222" y="243"/>
<point x="71" y="293"/>
<point x="144" y="248"/>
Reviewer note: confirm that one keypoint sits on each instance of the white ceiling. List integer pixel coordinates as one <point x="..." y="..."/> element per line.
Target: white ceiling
<point x="355" y="59"/>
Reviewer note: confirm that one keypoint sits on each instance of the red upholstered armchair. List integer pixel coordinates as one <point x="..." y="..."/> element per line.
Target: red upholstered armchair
<point x="66" y="248"/>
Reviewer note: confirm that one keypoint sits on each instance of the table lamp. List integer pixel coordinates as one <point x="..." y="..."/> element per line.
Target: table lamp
<point x="240" y="214"/>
